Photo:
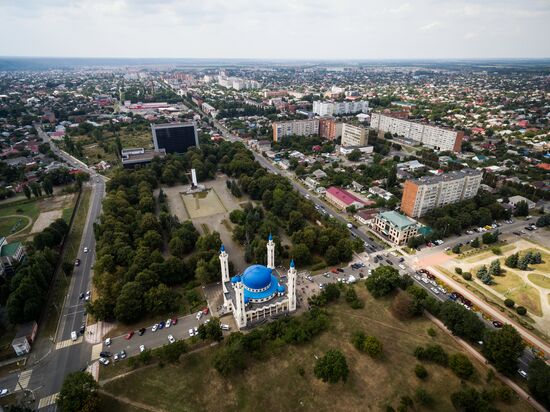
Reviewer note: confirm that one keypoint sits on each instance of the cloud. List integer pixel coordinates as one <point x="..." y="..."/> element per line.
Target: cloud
<point x="430" y="26"/>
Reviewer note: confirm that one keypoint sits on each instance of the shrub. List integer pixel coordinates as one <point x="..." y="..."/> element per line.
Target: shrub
<point x="432" y="353"/>
<point x="458" y="271"/>
<point x="332" y="367"/>
<point x="509" y="303"/>
<point x="496" y="250"/>
<point x="431" y="332"/>
<point x="521" y="310"/>
<point x="461" y="365"/>
<point x="467" y="276"/>
<point x="420" y="371"/>
<point x="368" y="344"/>
<point x="423" y="397"/>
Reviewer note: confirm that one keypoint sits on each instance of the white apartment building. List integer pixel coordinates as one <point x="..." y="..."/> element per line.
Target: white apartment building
<point x="430" y="192"/>
<point x="430" y="136"/>
<point x="306" y="127"/>
<point x="331" y="108"/>
<point x="353" y="135"/>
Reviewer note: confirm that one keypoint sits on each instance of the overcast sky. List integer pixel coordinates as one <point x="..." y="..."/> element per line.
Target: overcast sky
<point x="309" y="29"/>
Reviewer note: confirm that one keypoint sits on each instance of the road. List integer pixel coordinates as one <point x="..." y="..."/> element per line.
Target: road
<point x="44" y="376"/>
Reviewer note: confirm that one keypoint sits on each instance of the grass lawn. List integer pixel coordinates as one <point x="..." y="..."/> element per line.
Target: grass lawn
<point x="539" y="280"/>
<point x="62" y="282"/>
<point x="26" y="207"/>
<point x="276" y="384"/>
<point x="106" y="403"/>
<point x="13" y="224"/>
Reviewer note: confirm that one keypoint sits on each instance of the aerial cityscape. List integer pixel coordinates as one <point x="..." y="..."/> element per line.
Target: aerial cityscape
<point x="210" y="207"/>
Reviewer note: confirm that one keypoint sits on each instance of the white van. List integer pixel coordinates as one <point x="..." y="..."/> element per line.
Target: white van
<point x="73" y="335"/>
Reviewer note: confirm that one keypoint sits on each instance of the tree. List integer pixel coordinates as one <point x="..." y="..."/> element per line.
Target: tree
<point x="160" y="299"/>
<point x="404" y="307"/>
<point x="461" y="322"/>
<point x="301" y="254"/>
<point x="539" y="381"/>
<point x="372" y="346"/>
<point x="521" y="310"/>
<point x="494" y="268"/>
<point x="332" y="367"/>
<point x="129" y="303"/>
<point x="423" y="397"/>
<point x="461" y="365"/>
<point x="355" y="155"/>
<point x="543" y="221"/>
<point x="78" y="393"/>
<point x="383" y="280"/>
<point x="475" y="242"/>
<point x="489" y="238"/>
<point x="521" y="209"/>
<point x="523" y="263"/>
<point x="536" y="258"/>
<point x="509" y="303"/>
<point x="503" y="347"/>
<point x="470" y="400"/>
<point x="456" y="249"/>
<point x="332" y="256"/>
<point x="391" y="179"/>
<point x="512" y="260"/>
<point x="27" y="191"/>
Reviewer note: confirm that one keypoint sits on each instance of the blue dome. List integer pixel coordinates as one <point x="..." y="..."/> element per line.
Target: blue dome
<point x="235" y="279"/>
<point x="257" y="277"/>
<point x="281" y="289"/>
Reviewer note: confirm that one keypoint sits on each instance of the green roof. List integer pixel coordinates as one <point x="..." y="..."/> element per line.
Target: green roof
<point x="397" y="219"/>
<point x="10" y="249"/>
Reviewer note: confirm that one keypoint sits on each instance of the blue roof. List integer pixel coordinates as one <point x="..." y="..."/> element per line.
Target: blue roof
<point x="235" y="279"/>
<point x="222" y="249"/>
<point x="271" y="290"/>
<point x="270" y="237"/>
<point x="257" y="277"/>
<point x="291" y="263"/>
<point x="281" y="288"/>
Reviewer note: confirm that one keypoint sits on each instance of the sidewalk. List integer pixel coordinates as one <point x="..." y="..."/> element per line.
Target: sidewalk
<point x="524" y="395"/>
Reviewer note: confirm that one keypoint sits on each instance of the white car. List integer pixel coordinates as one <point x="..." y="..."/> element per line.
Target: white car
<point x="171" y="339"/>
<point x="522" y="373"/>
<point x="199" y="315"/>
<point x="85" y="250"/>
<point x="191" y="332"/>
<point x="435" y="290"/>
<point x="196" y="330"/>
<point x="141" y="348"/>
<point x="73" y="335"/>
<point x="104" y="361"/>
<point x="224" y="326"/>
<point x="4" y="392"/>
<point x="108" y="342"/>
<point x="168" y="323"/>
<point x="88" y="294"/>
<point x="155" y="327"/>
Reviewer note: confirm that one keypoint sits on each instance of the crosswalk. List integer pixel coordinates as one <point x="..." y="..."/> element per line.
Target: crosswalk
<point x="47" y="401"/>
<point x="68" y="342"/>
<point x="24" y="379"/>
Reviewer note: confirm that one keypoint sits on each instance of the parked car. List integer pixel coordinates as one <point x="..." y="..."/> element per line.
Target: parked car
<point x="191" y="332"/>
<point x="174" y="321"/>
<point x="171" y="339"/>
<point x="122" y="354"/>
<point x="522" y="373"/>
<point x="81" y="296"/>
<point x="205" y="311"/>
<point x="224" y="326"/>
<point x="77" y="262"/>
<point x="73" y="335"/>
<point x="161" y="325"/>
<point x="155" y="327"/>
<point x="88" y="295"/>
<point x="168" y="322"/>
<point x="141" y="348"/>
<point x="129" y="335"/>
<point x="199" y="315"/>
<point x="141" y="331"/>
<point x="497" y="324"/>
<point x="105" y="354"/>
<point x="4" y="392"/>
<point x="108" y="342"/>
<point x="104" y="361"/>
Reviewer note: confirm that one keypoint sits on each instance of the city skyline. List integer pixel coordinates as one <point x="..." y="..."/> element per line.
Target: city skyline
<point x="277" y="30"/>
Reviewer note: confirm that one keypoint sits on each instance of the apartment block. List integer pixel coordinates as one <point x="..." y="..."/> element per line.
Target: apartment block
<point x="327" y="128"/>
<point x="353" y="135"/>
<point x="307" y="127"/>
<point x="434" y="137"/>
<point x="430" y="192"/>
<point x="331" y="108"/>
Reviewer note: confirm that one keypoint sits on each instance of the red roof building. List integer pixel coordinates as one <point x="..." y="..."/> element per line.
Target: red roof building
<point x="342" y="198"/>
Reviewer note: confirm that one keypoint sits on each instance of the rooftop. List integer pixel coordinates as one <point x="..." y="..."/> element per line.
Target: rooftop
<point x="343" y="195"/>
<point x="10" y="249"/>
<point x="397" y="219"/>
<point x="447" y="177"/>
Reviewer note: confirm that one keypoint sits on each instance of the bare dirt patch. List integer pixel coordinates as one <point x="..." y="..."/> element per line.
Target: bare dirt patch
<point x="45" y="219"/>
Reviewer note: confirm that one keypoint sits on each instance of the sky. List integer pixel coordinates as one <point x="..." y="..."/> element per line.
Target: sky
<point x="276" y="29"/>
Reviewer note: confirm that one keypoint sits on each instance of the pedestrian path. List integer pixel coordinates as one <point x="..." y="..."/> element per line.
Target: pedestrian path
<point x="96" y="350"/>
<point x="67" y="343"/>
<point x="47" y="401"/>
<point x="24" y="379"/>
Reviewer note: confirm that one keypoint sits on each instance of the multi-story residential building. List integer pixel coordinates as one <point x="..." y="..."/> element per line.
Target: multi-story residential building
<point x="10" y="255"/>
<point x="431" y="136"/>
<point x="430" y="192"/>
<point x="307" y="127"/>
<point x="330" y="108"/>
<point x="397" y="228"/>
<point x="353" y="135"/>
<point x="327" y="128"/>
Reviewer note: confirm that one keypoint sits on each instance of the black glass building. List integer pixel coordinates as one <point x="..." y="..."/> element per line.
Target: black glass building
<point x="175" y="137"/>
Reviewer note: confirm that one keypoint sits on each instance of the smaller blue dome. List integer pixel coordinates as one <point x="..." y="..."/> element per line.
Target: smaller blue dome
<point x="292" y="263"/>
<point x="246" y="299"/>
<point x="222" y="249"/>
<point x="281" y="289"/>
<point x="270" y="237"/>
<point x="235" y="279"/>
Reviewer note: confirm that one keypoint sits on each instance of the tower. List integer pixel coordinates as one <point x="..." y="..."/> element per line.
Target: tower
<point x="239" y="311"/>
<point x="270" y="253"/>
<point x="224" y="261"/>
<point x="291" y="276"/>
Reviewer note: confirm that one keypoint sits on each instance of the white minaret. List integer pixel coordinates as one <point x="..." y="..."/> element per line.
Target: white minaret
<point x="224" y="261"/>
<point x="270" y="253"/>
<point x="194" y="178"/>
<point x="291" y="286"/>
<point x="239" y="311"/>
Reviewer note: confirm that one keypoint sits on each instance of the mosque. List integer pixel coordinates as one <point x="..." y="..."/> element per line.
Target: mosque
<point x="258" y="292"/>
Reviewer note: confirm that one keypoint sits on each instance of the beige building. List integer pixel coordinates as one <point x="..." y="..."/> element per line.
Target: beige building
<point x="430" y="192"/>
<point x="397" y="228"/>
<point x="434" y="137"/>
<point x="353" y="135"/>
<point x="307" y="127"/>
